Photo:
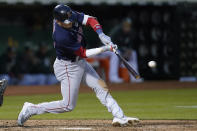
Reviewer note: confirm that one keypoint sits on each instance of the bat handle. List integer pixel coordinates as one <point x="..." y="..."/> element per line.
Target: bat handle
<point x="115" y="51"/>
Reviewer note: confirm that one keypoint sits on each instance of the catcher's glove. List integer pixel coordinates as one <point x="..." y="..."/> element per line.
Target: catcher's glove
<point x="3" y="85"/>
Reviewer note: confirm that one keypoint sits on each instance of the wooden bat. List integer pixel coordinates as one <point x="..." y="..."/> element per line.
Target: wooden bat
<point x="127" y="65"/>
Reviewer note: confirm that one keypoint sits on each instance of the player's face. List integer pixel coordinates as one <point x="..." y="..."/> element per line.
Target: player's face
<point x="67" y="23"/>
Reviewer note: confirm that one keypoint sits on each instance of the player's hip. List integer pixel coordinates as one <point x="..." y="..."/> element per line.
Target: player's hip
<point x="64" y="68"/>
<point x="62" y="62"/>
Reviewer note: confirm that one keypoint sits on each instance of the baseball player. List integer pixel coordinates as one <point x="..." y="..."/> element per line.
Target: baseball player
<point x="3" y="86"/>
<point x="71" y="68"/>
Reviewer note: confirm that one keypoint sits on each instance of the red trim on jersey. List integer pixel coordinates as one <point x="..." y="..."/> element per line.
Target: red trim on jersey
<point x="93" y="23"/>
<point x="81" y="52"/>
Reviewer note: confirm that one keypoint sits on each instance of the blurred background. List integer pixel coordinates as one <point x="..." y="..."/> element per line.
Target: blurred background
<point x="164" y="31"/>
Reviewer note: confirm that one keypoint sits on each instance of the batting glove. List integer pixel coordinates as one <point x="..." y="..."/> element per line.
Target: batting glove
<point x="106" y="40"/>
<point x="109" y="47"/>
<point x="114" y="46"/>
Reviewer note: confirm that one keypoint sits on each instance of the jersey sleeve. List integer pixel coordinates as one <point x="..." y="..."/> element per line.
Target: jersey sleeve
<point x="85" y="19"/>
<point x="78" y="16"/>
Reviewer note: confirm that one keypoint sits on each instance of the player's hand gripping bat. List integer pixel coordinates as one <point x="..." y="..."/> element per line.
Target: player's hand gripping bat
<point x="127" y="65"/>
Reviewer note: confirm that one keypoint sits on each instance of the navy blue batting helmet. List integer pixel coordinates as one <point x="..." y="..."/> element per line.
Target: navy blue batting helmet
<point x="62" y="12"/>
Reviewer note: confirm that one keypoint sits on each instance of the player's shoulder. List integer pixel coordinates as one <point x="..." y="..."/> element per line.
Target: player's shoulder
<point x="78" y="12"/>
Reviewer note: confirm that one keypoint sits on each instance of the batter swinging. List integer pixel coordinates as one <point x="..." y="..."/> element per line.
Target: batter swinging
<point x="71" y="69"/>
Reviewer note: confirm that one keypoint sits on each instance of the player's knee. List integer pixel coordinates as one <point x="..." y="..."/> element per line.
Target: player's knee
<point x="103" y="85"/>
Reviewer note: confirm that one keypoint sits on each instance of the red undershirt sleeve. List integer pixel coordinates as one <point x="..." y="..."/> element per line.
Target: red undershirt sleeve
<point x="93" y="23"/>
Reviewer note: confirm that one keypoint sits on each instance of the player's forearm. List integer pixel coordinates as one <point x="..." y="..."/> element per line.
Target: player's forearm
<point x="82" y="52"/>
<point x="96" y="51"/>
<point x="92" y="21"/>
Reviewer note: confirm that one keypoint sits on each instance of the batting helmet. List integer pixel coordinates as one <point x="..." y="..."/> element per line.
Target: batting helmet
<point x="62" y="12"/>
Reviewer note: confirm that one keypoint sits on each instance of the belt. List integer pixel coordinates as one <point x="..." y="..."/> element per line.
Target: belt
<point x="75" y="59"/>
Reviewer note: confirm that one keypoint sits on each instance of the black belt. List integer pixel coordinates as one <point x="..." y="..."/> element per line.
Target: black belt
<point x="74" y="59"/>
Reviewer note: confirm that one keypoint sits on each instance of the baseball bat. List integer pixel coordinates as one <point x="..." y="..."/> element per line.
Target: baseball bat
<point x="127" y="65"/>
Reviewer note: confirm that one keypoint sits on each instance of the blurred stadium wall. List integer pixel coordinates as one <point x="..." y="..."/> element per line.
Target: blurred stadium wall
<point x="166" y="30"/>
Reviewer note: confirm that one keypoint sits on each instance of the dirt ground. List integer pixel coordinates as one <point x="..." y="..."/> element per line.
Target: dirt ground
<point x="101" y="125"/>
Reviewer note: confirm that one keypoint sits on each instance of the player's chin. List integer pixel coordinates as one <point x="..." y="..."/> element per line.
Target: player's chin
<point x="67" y="25"/>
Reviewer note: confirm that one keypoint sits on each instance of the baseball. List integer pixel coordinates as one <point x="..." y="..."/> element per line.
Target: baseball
<point x="152" y="64"/>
